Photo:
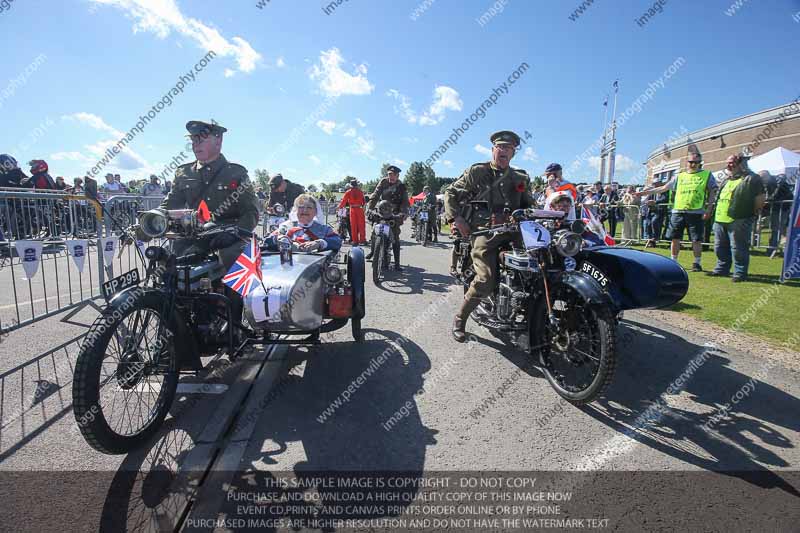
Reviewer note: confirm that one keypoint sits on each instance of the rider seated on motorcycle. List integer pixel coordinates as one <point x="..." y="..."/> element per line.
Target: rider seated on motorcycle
<point x="304" y="229"/>
<point x="562" y="201"/>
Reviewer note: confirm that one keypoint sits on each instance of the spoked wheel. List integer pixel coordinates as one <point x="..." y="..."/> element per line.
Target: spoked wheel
<point x="579" y="355"/>
<point x="377" y="260"/>
<point x="125" y="378"/>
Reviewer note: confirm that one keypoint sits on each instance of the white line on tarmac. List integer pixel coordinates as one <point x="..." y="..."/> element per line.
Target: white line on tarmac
<point x="27" y="303"/>
<point x="624" y="442"/>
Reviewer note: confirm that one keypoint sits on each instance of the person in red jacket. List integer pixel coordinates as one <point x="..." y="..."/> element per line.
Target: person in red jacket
<point x="354" y="198"/>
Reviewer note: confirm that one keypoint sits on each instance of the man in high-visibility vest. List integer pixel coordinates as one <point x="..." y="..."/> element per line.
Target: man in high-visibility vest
<point x="741" y="196"/>
<point x="694" y="195"/>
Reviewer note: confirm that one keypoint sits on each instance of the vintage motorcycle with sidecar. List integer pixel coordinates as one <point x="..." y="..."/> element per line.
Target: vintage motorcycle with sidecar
<point x="161" y="326"/>
<point x="560" y="299"/>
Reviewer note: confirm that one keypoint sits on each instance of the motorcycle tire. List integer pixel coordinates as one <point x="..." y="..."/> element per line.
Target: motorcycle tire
<point x="99" y="432"/>
<point x="600" y="327"/>
<point x="377" y="259"/>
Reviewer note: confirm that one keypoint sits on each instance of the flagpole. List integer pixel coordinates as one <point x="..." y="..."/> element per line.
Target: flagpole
<point x="613" y="142"/>
<point x="603" y="146"/>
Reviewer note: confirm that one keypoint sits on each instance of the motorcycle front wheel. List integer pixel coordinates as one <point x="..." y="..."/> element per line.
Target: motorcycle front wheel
<point x="377" y="259"/>
<point x="125" y="378"/>
<point x="578" y="356"/>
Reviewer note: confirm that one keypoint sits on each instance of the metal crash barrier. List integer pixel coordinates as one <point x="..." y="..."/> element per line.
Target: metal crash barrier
<point x="57" y="249"/>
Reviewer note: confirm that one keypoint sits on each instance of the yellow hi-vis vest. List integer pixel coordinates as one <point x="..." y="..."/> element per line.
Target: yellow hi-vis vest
<point x="724" y="201"/>
<point x="690" y="193"/>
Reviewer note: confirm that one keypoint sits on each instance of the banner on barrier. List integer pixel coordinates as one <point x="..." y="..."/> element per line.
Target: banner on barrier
<point x="30" y="253"/>
<point x="109" y="247"/>
<point x="77" y="250"/>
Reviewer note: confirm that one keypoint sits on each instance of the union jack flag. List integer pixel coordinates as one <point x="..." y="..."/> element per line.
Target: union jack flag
<point x="596" y="227"/>
<point x="246" y="271"/>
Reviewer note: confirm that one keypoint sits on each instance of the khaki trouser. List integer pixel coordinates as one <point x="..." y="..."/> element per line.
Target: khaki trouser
<point x="484" y="263"/>
<point x="630" y="226"/>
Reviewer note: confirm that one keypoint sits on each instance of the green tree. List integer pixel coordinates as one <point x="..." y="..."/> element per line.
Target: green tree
<point x="369" y="186"/>
<point x="417" y="176"/>
<point x="538" y="181"/>
<point x="262" y="178"/>
<point x="312" y="188"/>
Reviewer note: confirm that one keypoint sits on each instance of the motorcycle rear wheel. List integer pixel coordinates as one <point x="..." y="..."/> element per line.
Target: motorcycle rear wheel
<point x="141" y="378"/>
<point x="586" y="340"/>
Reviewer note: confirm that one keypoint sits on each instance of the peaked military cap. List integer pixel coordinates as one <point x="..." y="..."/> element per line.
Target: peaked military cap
<point x="392" y="168"/>
<point x="199" y="127"/>
<point x="505" y="137"/>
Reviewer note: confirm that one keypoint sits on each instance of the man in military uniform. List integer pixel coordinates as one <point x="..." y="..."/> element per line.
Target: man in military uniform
<point x="502" y="187"/>
<point x="392" y="189"/>
<point x="284" y="192"/>
<point x="226" y="190"/>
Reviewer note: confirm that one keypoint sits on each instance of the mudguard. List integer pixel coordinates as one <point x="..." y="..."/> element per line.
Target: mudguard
<point x="355" y="273"/>
<point x="589" y="289"/>
<point x="187" y="351"/>
<point x="640" y="280"/>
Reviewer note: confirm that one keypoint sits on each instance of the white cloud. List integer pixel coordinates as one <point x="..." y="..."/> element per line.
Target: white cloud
<point x="365" y="146"/>
<point x="361" y="123"/>
<point x="447" y="163"/>
<point x="444" y="99"/>
<point x="404" y="110"/>
<point x="334" y="81"/>
<point x="622" y="163"/>
<point x="280" y="63"/>
<point x="483" y="150"/>
<point x="71" y="156"/>
<point x="397" y="161"/>
<point x="350" y="132"/>
<point x="409" y="140"/>
<point x="95" y="122"/>
<point x="314" y="159"/>
<point x="327" y="126"/>
<point x="529" y="155"/>
<point x="229" y="72"/>
<point x="161" y="17"/>
<point x="127" y="159"/>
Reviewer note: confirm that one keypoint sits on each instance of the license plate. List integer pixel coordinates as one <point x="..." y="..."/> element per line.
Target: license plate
<point x="595" y="273"/>
<point x="423" y="216"/>
<point x="383" y="229"/>
<point x="120" y="283"/>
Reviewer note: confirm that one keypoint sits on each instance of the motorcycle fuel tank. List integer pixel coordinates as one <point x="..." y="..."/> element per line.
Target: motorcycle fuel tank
<point x="292" y="296"/>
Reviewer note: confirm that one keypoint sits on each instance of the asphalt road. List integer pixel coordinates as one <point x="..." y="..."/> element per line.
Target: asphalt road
<point x="419" y="404"/>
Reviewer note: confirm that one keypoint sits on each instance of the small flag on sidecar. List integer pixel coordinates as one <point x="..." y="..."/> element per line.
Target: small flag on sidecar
<point x="203" y="214"/>
<point x="596" y="227"/>
<point x="246" y="271"/>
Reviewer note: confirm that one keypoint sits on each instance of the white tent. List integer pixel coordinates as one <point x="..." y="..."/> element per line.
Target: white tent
<point x="777" y="161"/>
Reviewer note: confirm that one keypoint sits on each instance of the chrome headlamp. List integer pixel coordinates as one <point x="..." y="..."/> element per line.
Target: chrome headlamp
<point x="332" y="275"/>
<point x="568" y="243"/>
<point x="153" y="223"/>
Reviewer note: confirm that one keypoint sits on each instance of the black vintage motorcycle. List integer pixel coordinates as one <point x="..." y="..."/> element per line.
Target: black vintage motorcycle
<point x="383" y="219"/>
<point x="560" y="301"/>
<point x="157" y="328"/>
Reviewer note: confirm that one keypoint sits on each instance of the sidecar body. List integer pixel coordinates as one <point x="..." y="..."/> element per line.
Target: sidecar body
<point x="310" y="294"/>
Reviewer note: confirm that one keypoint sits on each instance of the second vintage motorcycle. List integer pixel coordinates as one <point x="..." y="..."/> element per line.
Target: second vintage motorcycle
<point x="561" y="300"/>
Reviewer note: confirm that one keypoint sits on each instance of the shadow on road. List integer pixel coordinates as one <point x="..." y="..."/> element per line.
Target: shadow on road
<point x="309" y="431"/>
<point x="651" y="360"/>
<point x="415" y="280"/>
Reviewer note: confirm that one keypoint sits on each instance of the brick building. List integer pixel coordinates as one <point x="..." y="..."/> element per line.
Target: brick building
<point x="755" y="134"/>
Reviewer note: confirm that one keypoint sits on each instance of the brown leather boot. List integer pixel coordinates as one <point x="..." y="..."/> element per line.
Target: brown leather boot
<point x="460" y="321"/>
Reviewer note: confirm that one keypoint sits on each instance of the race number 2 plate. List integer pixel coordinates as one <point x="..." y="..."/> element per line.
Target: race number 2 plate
<point x="120" y="283"/>
<point x="596" y="274"/>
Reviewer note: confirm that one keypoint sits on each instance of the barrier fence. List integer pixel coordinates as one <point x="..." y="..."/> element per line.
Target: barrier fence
<point x="650" y="223"/>
<point x="53" y="254"/>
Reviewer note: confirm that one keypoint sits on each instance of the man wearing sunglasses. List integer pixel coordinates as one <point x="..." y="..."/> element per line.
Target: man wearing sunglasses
<point x="694" y="195"/>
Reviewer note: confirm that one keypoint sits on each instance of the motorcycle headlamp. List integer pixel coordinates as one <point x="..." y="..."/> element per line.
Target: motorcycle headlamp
<point x="385" y="208"/>
<point x="332" y="275"/>
<point x="153" y="223"/>
<point x="278" y="209"/>
<point x="577" y="226"/>
<point x="568" y="243"/>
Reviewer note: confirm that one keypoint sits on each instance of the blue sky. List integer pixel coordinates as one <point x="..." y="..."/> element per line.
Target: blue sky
<point x="347" y="91"/>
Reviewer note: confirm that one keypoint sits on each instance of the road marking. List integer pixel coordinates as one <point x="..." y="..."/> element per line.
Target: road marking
<point x="201" y="388"/>
<point x="27" y="303"/>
